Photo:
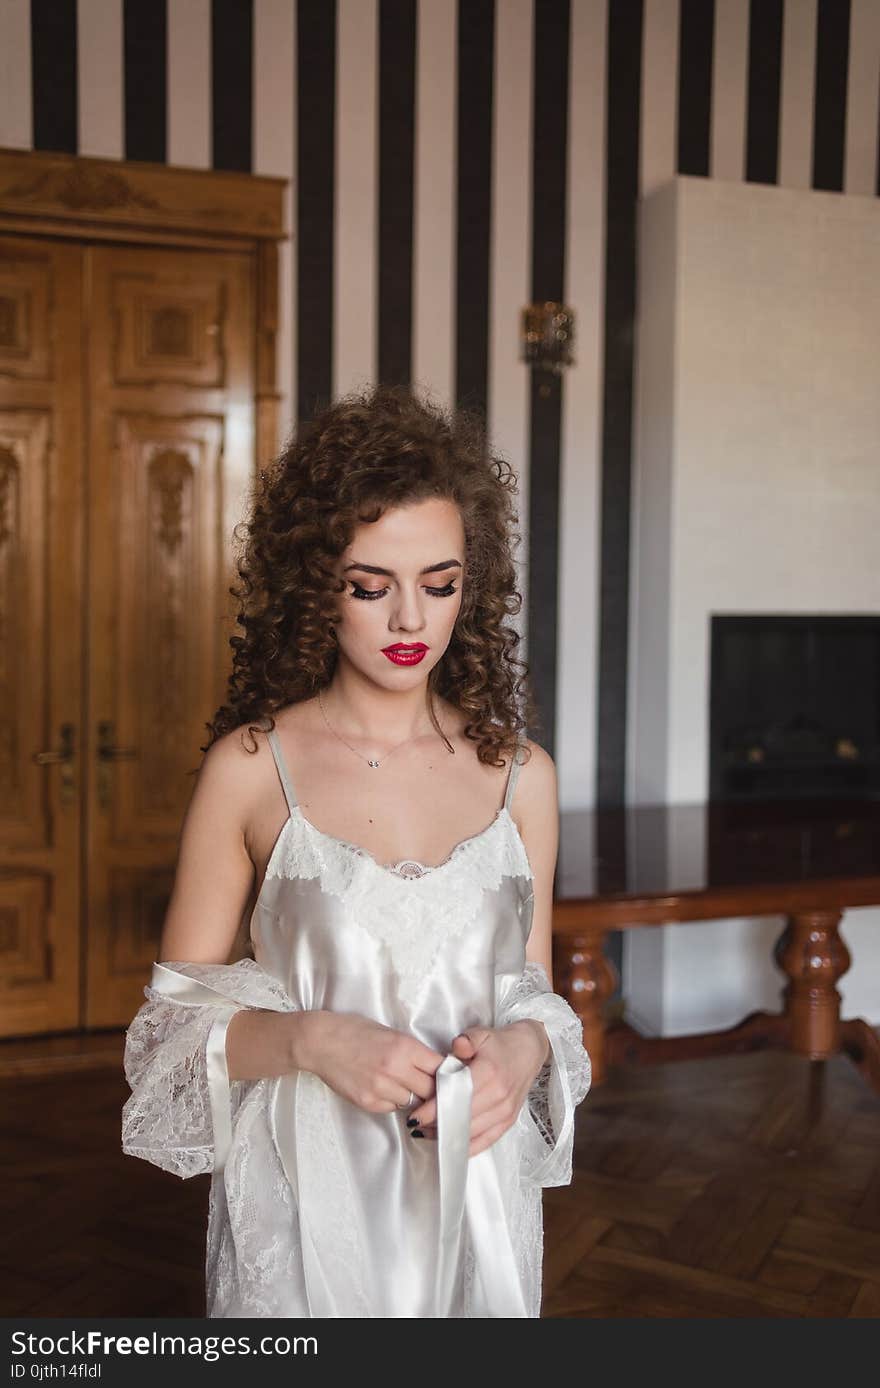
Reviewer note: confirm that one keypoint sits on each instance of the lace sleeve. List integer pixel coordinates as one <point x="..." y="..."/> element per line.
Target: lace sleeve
<point x="546" y="1121"/>
<point x="181" y="1111"/>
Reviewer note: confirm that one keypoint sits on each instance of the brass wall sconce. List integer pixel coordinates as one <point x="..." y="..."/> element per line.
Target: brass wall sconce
<point x="547" y="338"/>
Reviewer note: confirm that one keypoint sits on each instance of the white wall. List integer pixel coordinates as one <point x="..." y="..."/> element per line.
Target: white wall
<point x="757" y="489"/>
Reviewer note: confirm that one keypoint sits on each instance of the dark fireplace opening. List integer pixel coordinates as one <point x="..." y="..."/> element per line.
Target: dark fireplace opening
<point x="794" y="707"/>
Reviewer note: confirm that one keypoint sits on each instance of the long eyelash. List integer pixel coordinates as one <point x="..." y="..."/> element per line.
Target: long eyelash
<point x="358" y="592"/>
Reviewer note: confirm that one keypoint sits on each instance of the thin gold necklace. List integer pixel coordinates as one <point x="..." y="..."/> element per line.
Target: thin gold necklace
<point x="371" y="761"/>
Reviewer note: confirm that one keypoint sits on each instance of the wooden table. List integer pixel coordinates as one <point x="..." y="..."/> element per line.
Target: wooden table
<point x="646" y="866"/>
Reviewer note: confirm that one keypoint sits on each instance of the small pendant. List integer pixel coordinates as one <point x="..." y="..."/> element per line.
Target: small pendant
<point x="372" y="763"/>
<point x="408" y="867"/>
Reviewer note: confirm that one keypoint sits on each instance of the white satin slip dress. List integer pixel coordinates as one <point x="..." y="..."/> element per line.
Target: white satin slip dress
<point x="390" y="1225"/>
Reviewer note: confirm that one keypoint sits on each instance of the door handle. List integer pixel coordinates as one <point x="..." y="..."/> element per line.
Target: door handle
<point x="63" y="756"/>
<point x="108" y="751"/>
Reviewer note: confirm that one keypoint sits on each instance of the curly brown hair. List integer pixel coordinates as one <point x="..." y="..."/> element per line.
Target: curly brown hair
<point x="369" y="451"/>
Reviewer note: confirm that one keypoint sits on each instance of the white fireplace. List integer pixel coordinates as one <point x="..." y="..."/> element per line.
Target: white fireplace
<point x="756" y="490"/>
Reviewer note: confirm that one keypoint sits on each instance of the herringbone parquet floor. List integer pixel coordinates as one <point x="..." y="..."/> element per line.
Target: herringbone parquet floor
<point x="701" y="1188"/>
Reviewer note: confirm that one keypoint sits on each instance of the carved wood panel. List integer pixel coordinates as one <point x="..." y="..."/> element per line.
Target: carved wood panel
<point x="41" y="606"/>
<point x="170" y="332"/>
<point x="171" y="453"/>
<point x="138" y="314"/>
<point x="24" y="489"/>
<point x="25" y="339"/>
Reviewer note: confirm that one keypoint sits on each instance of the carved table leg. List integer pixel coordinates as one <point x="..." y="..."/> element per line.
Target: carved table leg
<point x="861" y="1042"/>
<point x="586" y="978"/>
<point x="811" y="952"/>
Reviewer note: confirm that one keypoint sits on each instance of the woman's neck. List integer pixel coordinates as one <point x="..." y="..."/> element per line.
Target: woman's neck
<point x="357" y="711"/>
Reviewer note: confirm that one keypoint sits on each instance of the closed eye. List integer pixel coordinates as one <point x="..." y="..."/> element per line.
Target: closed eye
<point x="370" y="593"/>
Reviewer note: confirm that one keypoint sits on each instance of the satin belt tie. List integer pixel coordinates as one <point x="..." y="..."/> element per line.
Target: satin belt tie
<point x="467" y="1184"/>
<point x="471" y="1183"/>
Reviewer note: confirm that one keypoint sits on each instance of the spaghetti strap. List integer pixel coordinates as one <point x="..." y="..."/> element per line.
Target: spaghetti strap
<point x="513" y="774"/>
<point x="283" y="773"/>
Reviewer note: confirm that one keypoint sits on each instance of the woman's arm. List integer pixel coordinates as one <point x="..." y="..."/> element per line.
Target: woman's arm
<point x="547" y="1121"/>
<point x="261" y="1044"/>
<point x="215" y="874"/>
<point x="214" y="880"/>
<point x="537" y="817"/>
<point x="184" y="1094"/>
<point x="537" y="814"/>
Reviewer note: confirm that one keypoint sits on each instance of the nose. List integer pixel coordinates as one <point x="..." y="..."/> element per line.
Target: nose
<point x="409" y="613"/>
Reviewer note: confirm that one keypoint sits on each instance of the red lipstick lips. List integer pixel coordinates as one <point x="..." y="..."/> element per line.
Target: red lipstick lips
<point x="402" y="654"/>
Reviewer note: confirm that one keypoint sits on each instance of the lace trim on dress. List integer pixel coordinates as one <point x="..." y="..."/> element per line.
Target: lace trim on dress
<point x="408" y="916"/>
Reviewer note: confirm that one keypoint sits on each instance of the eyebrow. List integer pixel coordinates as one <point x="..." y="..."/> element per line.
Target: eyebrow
<point x="389" y="573"/>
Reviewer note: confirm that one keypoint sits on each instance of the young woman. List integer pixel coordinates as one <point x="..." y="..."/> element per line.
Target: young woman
<point x="383" y="1087"/>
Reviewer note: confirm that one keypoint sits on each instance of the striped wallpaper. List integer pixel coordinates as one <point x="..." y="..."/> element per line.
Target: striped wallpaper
<point x="449" y="162"/>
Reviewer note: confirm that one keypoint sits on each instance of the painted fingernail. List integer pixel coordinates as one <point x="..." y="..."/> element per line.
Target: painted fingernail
<point x="414" y="1132"/>
<point x="412" y="1122"/>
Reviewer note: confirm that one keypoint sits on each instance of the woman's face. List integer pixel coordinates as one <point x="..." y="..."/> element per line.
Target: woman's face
<point x="404" y="574"/>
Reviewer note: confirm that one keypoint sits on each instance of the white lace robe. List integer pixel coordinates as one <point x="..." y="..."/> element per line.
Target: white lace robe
<point x="184" y="1116"/>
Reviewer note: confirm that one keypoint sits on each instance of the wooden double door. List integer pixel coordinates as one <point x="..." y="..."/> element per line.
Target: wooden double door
<point x="127" y="444"/>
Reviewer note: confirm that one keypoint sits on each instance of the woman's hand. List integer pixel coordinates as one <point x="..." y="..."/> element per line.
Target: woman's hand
<point x="504" y="1063"/>
<point x="370" y="1064"/>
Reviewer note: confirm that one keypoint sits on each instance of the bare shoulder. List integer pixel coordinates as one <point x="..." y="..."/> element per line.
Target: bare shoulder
<point x="535" y="804"/>
<point x="234" y="765"/>
<point x="239" y="748"/>
<point x="538" y="783"/>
